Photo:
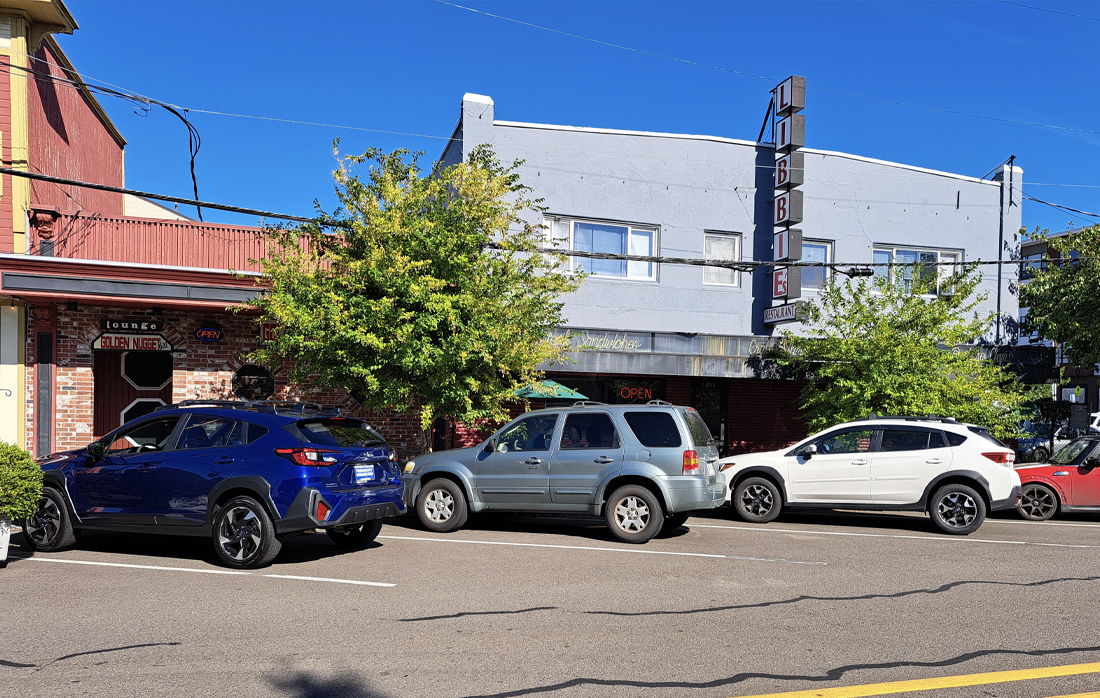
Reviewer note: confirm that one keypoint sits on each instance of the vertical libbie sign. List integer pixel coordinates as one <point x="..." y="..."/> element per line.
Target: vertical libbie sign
<point x="789" y="131"/>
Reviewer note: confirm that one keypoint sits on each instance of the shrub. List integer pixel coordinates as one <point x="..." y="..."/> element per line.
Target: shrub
<point x="20" y="482"/>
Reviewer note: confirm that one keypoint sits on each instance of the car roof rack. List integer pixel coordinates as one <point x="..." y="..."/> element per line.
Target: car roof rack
<point x="909" y="418"/>
<point x="223" y="404"/>
<point x="265" y="406"/>
<point x="659" y="402"/>
<point x="587" y="403"/>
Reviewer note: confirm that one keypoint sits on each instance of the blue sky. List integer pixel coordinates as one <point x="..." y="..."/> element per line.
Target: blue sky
<point x="404" y="66"/>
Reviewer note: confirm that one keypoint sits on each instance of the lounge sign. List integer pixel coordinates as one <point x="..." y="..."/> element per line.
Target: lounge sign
<point x="789" y="130"/>
<point x="117" y="341"/>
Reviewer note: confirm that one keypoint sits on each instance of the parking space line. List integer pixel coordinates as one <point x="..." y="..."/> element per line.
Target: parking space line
<point x="201" y="571"/>
<point x="1040" y="523"/>
<point x="608" y="550"/>
<point x="882" y="689"/>
<point x="326" y="579"/>
<point x="945" y="539"/>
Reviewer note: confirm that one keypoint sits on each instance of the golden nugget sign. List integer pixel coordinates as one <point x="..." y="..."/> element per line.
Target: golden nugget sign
<point x="789" y="129"/>
<point x="112" y="341"/>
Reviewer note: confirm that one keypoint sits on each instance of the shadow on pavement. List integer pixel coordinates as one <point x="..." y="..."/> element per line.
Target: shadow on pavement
<point x="304" y="685"/>
<point x="591" y="528"/>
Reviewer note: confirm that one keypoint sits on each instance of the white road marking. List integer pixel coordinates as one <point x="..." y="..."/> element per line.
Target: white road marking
<point x="326" y="579"/>
<point x="608" y="550"/>
<point x="943" y="539"/>
<point x="192" y="569"/>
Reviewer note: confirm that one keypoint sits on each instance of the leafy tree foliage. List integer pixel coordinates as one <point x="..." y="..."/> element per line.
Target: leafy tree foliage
<point x="1063" y="300"/>
<point x="20" y="482"/>
<point x="429" y="295"/>
<point x="879" y="347"/>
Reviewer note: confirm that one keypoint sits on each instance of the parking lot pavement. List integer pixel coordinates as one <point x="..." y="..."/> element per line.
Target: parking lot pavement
<point x="553" y="606"/>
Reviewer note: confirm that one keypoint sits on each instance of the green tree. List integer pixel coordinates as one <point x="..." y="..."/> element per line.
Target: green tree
<point x="895" y="349"/>
<point x="20" y="482"/>
<point x="429" y="295"/>
<point x="1063" y="300"/>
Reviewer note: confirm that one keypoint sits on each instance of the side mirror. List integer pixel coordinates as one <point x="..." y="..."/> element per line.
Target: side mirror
<point x="97" y="449"/>
<point x="490" y="446"/>
<point x="1090" y="463"/>
<point x="810" y="451"/>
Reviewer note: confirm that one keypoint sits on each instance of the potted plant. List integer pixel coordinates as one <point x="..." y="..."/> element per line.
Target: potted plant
<point x="20" y="490"/>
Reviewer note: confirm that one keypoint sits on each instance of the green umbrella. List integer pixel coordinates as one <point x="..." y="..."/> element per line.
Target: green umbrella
<point x="549" y="389"/>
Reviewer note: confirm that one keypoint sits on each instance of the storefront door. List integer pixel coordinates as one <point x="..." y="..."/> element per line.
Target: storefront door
<point x="128" y="385"/>
<point x="708" y="397"/>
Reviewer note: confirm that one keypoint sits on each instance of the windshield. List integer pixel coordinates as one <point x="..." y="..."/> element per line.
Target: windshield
<point x="340" y="432"/>
<point x="1068" y="453"/>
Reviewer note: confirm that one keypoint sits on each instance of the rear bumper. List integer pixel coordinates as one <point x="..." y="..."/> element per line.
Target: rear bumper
<point x="700" y="496"/>
<point x="345" y="509"/>
<point x="1009" y="503"/>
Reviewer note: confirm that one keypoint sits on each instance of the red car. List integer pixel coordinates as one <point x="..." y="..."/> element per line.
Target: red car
<point x="1070" y="481"/>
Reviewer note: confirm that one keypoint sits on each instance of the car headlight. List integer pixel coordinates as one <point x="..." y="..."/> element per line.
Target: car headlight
<point x="409" y="466"/>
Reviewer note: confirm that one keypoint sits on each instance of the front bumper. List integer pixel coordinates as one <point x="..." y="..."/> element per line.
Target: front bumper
<point x="1009" y="503"/>
<point x="345" y="509"/>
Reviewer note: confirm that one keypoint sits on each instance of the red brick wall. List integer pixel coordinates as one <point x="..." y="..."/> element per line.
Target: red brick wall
<point x="66" y="138"/>
<point x="763" y="415"/>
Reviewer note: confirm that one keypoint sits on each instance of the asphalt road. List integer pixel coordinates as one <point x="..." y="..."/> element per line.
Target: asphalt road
<point x="553" y="606"/>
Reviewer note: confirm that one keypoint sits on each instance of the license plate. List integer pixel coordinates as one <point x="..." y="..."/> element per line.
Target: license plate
<point x="363" y="473"/>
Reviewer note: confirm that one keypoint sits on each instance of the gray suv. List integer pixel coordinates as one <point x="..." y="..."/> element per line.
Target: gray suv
<point x="641" y="467"/>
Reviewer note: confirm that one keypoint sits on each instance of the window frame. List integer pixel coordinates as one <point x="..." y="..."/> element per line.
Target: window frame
<point x="827" y="272"/>
<point x="738" y="241"/>
<point x="121" y="433"/>
<point x="891" y="272"/>
<point x="568" y="243"/>
<point x="616" y="444"/>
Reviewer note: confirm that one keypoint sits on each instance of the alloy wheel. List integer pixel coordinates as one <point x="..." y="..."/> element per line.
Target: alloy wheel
<point x="1037" y="502"/>
<point x="757" y="500"/>
<point x="632" y="514"/>
<point x="439" y="505"/>
<point x="239" y="533"/>
<point x="46" y="522"/>
<point x="957" y="509"/>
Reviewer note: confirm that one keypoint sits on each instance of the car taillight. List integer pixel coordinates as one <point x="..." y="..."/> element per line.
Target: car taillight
<point x="322" y="510"/>
<point x="1001" y="457"/>
<point x="691" y="463"/>
<point x="308" y="456"/>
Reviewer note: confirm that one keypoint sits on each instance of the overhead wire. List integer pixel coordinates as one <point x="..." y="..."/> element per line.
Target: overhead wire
<point x="1044" y="9"/>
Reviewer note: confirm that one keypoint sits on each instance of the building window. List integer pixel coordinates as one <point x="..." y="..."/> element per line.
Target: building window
<point x="722" y="247"/>
<point x="933" y="274"/>
<point x="813" y="278"/>
<point x="609" y="238"/>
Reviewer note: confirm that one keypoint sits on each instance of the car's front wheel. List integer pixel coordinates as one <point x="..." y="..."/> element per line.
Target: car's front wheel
<point x="1037" y="502"/>
<point x="441" y="506"/>
<point x="355" y="537"/>
<point x="757" y="500"/>
<point x="244" y="535"/>
<point x="50" y="529"/>
<point x="957" y="509"/>
<point x="634" y="514"/>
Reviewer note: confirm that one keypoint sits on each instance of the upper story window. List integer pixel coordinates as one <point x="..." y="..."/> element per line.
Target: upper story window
<point x="724" y="247"/>
<point x="610" y="238"/>
<point x="938" y="265"/>
<point x="813" y="278"/>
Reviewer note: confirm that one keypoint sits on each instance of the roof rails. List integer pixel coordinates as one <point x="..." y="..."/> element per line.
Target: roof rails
<point x="587" y="403"/>
<point x="908" y="418"/>
<point x="224" y="404"/>
<point x="659" y="402"/>
<point x="265" y="406"/>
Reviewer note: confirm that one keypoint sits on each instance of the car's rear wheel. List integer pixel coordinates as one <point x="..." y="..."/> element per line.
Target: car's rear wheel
<point x="957" y="509"/>
<point x="634" y="514"/>
<point x="757" y="500"/>
<point x="441" y="506"/>
<point x="355" y="537"/>
<point x="243" y="534"/>
<point x="1037" y="502"/>
<point x="50" y="529"/>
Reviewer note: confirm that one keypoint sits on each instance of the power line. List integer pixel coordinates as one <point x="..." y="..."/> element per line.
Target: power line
<point x="1090" y="216"/>
<point x="764" y="77"/>
<point x="1044" y="9"/>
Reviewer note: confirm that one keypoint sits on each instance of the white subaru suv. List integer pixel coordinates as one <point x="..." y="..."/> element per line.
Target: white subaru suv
<point x="956" y="472"/>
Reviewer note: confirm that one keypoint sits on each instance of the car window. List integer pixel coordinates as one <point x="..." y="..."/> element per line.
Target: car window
<point x="654" y="429"/>
<point x="530" y="434"/>
<point x="955" y="439"/>
<point x="340" y="432"/>
<point x="211" y="432"/>
<point x="984" y="433"/>
<point x="910" y="439"/>
<point x="1067" y="454"/>
<point x="700" y="433"/>
<point x="151" y="435"/>
<point x="594" y="430"/>
<point x="845" y="441"/>
<point x="255" y="431"/>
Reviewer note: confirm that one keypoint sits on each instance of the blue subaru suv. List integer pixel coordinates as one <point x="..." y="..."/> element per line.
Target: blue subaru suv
<point x="247" y="474"/>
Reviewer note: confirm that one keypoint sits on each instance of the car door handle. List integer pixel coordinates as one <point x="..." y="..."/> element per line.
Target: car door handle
<point x="224" y="460"/>
<point x="860" y="462"/>
<point x="533" y="461"/>
<point x="604" y="460"/>
<point x="148" y="466"/>
<point x="934" y="461"/>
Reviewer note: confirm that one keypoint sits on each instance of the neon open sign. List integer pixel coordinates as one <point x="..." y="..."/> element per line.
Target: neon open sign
<point x="628" y="393"/>
<point x="209" y="334"/>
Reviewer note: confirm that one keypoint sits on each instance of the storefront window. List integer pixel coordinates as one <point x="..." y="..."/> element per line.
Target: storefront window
<point x="632" y="391"/>
<point x="252" y="382"/>
<point x="147" y="370"/>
